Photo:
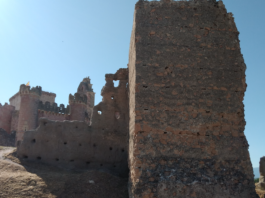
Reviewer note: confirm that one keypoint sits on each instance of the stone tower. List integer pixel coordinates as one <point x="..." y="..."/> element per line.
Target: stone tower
<point x="186" y="87"/>
<point x="28" y="113"/>
<point x="82" y="103"/>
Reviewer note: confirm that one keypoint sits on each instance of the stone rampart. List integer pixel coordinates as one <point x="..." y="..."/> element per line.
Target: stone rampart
<point x="47" y="106"/>
<point x="28" y="113"/>
<point x="187" y="83"/>
<point x="6" y="116"/>
<point x="75" y="144"/>
<point x="51" y="115"/>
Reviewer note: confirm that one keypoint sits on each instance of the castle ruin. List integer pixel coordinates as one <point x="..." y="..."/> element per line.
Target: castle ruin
<point x="30" y="104"/>
<point x="177" y="115"/>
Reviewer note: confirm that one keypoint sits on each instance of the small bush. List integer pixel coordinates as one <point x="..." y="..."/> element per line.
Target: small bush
<point x="256" y="180"/>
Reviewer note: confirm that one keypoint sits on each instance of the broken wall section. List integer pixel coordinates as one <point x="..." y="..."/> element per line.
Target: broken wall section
<point x="186" y="111"/>
<point x="75" y="144"/>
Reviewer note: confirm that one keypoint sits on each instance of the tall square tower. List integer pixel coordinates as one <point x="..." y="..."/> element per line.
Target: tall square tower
<point x="186" y="87"/>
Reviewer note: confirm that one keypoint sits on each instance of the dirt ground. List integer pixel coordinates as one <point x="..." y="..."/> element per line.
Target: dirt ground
<point x="19" y="178"/>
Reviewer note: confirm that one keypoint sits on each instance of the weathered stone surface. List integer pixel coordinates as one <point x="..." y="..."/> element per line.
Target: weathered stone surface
<point x="7" y="139"/>
<point x="75" y="144"/>
<point x="261" y="184"/>
<point x="186" y="86"/>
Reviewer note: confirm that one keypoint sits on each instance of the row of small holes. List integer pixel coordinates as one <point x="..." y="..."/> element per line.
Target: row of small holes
<point x="94" y="145"/>
<point x="39" y="158"/>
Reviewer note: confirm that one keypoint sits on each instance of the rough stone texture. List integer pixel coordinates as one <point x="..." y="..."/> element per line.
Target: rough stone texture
<point x="28" y="113"/>
<point x="28" y="105"/>
<point x="7" y="139"/>
<point x="261" y="184"/>
<point x="6" y="116"/>
<point x="14" y="121"/>
<point x="187" y="83"/>
<point x="75" y="144"/>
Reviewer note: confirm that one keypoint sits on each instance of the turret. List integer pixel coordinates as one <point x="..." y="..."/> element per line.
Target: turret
<point x="85" y="89"/>
<point x="78" y="107"/>
<point x="28" y="113"/>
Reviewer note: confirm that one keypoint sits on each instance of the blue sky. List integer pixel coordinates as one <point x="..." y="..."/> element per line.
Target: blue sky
<point x="56" y="43"/>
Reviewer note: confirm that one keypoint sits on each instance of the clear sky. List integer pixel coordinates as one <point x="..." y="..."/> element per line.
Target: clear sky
<point x="56" y="43"/>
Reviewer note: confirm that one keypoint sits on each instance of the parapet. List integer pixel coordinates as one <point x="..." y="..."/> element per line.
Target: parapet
<point x="77" y="98"/>
<point x="26" y="90"/>
<point x="53" y="108"/>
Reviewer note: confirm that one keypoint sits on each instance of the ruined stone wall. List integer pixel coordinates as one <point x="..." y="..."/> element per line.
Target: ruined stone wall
<point x="6" y="117"/>
<point x="186" y="111"/>
<point x="110" y="117"/>
<point x="75" y="144"/>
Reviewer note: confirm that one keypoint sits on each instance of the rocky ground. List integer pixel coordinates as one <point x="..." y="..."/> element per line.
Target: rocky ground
<point x="21" y="179"/>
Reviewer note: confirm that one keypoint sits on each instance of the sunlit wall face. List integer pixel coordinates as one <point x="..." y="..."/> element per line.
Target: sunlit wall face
<point x="55" y="44"/>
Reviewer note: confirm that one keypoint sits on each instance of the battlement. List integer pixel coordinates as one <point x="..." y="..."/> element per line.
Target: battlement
<point x="77" y="98"/>
<point x="6" y="106"/>
<point x="53" y="108"/>
<point x="27" y="90"/>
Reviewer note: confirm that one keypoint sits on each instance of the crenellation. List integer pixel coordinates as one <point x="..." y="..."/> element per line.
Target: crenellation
<point x="104" y="140"/>
<point x="27" y="90"/>
<point x="53" y="108"/>
<point x="78" y="98"/>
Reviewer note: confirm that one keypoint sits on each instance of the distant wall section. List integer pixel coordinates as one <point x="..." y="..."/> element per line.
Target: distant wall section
<point x="6" y="117"/>
<point x="75" y="144"/>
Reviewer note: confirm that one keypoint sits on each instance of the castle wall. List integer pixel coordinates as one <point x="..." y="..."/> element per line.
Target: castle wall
<point x="110" y="117"/>
<point x="15" y="101"/>
<point x="14" y="120"/>
<point x="7" y="139"/>
<point x="28" y="113"/>
<point x="52" y="115"/>
<point x="6" y="117"/>
<point x="78" y="111"/>
<point x="187" y="83"/>
<point x="47" y="97"/>
<point x="75" y="144"/>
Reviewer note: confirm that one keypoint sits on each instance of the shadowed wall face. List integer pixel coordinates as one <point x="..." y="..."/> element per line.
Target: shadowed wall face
<point x="6" y="117"/>
<point x="187" y="83"/>
<point x="75" y="144"/>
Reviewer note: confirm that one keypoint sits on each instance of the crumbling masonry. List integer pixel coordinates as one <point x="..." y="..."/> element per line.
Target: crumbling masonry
<point x="30" y="104"/>
<point x="186" y="87"/>
<point x="177" y="115"/>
